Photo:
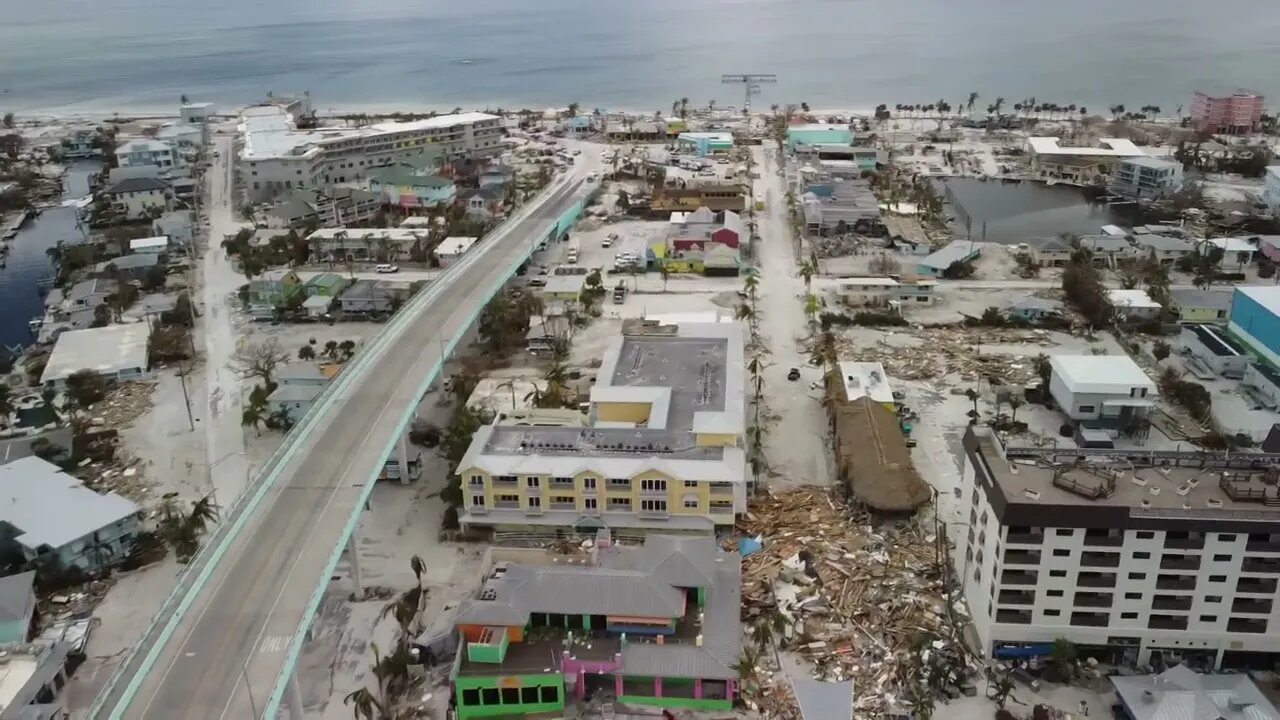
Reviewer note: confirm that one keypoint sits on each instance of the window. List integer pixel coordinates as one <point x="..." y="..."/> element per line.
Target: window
<point x="1052" y="613"/>
<point x="510" y="696"/>
<point x="1085" y="409"/>
<point x="589" y="483"/>
<point x="1226" y="537"/>
<point x="1137" y="576"/>
<point x="529" y="695"/>
<point x="620" y="482"/>
<point x="691" y="483"/>
<point x="1221" y="558"/>
<point x="1064" y="532"/>
<point x="589" y="503"/>
<point x="535" y="502"/>
<point x="721" y="504"/>
<point x="561" y="481"/>
<point x="1213" y="598"/>
<point x="477" y="501"/>
<point x="1054" y="593"/>
<point x="1133" y="596"/>
<point x="1145" y="535"/>
<point x="489" y="696"/>
<point x="509" y="479"/>
<point x="471" y="696"/>
<point x="654" y="485"/>
<point x="532" y="482"/>
<point x="1217" y="578"/>
<point x="619" y="503"/>
<point x="1129" y="616"/>
<point x="1142" y="556"/>
<point x="1208" y="618"/>
<point x="1057" y="573"/>
<point x="549" y="693"/>
<point x="476" y="480"/>
<point x="1060" y="552"/>
<point x="653" y="505"/>
<point x="691" y="503"/>
<point x="562" y="499"/>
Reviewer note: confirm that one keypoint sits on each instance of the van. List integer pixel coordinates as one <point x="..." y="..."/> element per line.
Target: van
<point x="572" y="256"/>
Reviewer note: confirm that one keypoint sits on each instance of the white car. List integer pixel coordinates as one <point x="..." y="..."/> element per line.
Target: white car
<point x="607" y="242"/>
<point x="384" y="269"/>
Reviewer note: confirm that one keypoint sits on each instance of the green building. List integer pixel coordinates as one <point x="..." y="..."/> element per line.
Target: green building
<point x="653" y="625"/>
<point x="818" y="134"/>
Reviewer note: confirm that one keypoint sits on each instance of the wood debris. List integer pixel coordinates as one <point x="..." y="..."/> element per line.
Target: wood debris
<point x="935" y="352"/>
<point x="855" y="601"/>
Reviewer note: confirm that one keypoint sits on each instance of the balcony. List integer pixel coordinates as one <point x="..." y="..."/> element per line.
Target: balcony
<point x="1098" y="600"/>
<point x="1018" y="577"/>
<point x="1099" y="559"/>
<point x="654" y="514"/>
<point x="1260" y="565"/>
<point x="1013" y="617"/>
<point x="721" y="488"/>
<point x="507" y="504"/>
<point x="1263" y="542"/>
<point x="1021" y="536"/>
<point x="1021" y="557"/>
<point x="658" y="491"/>
<point x="1017" y="597"/>
<point x="589" y="489"/>
<point x="1167" y="622"/>
<point x="1180" y="562"/>
<point x="1103" y="538"/>
<point x="563" y="506"/>
<point x="1264" y="586"/>
<point x="1184" y="541"/>
<point x="619" y="485"/>
<point x="533" y="509"/>
<point x="561" y="483"/>
<point x="1251" y="606"/>
<point x="505" y="481"/>
<point x="1090" y="619"/>
<point x="1098" y="580"/>
<point x="1175" y="582"/>
<point x="1247" y="625"/>
<point x="1171" y="602"/>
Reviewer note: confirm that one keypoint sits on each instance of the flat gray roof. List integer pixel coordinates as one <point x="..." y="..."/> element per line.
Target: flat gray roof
<point x="1181" y="693"/>
<point x="50" y="507"/>
<point x="104" y="350"/>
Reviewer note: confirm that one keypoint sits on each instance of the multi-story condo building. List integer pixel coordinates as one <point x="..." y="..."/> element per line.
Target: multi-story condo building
<point x="660" y="447"/>
<point x="136" y="153"/>
<point x="655" y="625"/>
<point x="1239" y="113"/>
<point x="1147" y="177"/>
<point x="1135" y="551"/>
<point x="1271" y="188"/>
<point x="276" y="157"/>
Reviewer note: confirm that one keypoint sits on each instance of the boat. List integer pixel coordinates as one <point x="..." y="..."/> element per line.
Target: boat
<point x="24" y="218"/>
<point x="35" y="323"/>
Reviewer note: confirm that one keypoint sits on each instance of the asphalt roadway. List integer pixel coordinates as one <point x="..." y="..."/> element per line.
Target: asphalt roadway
<point x="226" y="653"/>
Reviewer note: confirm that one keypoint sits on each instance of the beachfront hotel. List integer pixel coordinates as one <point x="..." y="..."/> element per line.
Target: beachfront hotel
<point x="277" y="157"/>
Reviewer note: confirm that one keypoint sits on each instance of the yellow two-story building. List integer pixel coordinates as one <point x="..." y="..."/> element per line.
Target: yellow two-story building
<point x="661" y="446"/>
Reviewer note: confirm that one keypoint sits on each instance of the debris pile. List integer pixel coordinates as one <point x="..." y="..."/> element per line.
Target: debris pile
<point x="936" y="352"/>
<point x="855" y="601"/>
<point x="123" y="404"/>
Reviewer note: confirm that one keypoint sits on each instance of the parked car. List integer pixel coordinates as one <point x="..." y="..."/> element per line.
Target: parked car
<point x="387" y="269"/>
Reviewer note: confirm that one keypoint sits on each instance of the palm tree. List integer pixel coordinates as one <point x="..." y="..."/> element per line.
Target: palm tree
<point x="807" y="270"/>
<point x="364" y="706"/>
<point x="973" y="98"/>
<point x="973" y="396"/>
<point x="253" y="415"/>
<point x="1014" y="404"/>
<point x="684" y="107"/>
<point x="811" y="306"/>
<point x="348" y="349"/>
<point x="331" y="349"/>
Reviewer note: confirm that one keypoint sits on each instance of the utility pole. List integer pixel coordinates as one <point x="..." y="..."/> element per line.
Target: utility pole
<point x="751" y="86"/>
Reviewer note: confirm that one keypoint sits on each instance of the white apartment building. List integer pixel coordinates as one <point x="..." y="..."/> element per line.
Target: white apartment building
<point x="1271" y="188"/>
<point x="1100" y="387"/>
<point x="1136" y="552"/>
<point x="136" y="153"/>
<point x="276" y="157"/>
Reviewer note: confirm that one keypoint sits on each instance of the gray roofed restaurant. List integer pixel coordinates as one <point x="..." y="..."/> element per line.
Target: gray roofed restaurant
<point x="1181" y="693"/>
<point x="588" y="612"/>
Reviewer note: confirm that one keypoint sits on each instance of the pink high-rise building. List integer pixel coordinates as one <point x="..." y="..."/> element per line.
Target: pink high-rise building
<point x="1239" y="113"/>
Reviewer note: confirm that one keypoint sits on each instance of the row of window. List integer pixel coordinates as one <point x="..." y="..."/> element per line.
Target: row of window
<point x="650" y="485"/>
<point x="590" y="503"/>
<point x="546" y="694"/>
<point x="1154" y="621"/>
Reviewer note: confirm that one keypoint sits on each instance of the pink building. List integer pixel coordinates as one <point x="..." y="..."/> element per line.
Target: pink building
<point x="1239" y="113"/>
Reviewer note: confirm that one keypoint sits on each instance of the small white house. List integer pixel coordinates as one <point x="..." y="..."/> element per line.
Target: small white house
<point x="298" y="385"/>
<point x="451" y="249"/>
<point x="196" y="113"/>
<point x="154" y="245"/>
<point x="1236" y="251"/>
<point x="1108" y="390"/>
<point x="1133" y="305"/>
<point x="140" y="198"/>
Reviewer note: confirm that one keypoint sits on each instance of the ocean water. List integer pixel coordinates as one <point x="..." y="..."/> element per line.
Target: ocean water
<point x="128" y="55"/>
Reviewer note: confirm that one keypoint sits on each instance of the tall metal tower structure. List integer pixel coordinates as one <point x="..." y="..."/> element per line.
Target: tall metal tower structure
<point x="751" y="85"/>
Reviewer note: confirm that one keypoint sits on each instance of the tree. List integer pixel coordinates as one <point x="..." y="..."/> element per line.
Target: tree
<point x="306" y="352"/>
<point x="807" y="271"/>
<point x="1014" y="404"/>
<point x="1160" y="350"/>
<point x="8" y="121"/>
<point x="1064" y="656"/>
<point x="973" y="397"/>
<point x="364" y="706"/>
<point x="331" y="350"/>
<point x="253" y="416"/>
<point x="84" y="388"/>
<point x="348" y="349"/>
<point x="259" y="360"/>
<point x="811" y="306"/>
<point x="973" y="98"/>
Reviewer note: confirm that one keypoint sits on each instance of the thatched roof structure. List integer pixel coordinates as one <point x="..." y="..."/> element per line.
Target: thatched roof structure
<point x="872" y="454"/>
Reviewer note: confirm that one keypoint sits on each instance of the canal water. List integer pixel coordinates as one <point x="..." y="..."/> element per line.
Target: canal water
<point x="28" y="262"/>
<point x="1015" y="212"/>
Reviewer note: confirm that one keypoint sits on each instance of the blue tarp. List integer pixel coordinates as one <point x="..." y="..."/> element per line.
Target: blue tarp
<point x="749" y="545"/>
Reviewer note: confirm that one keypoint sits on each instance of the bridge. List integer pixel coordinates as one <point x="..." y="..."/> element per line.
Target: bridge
<point x="225" y="643"/>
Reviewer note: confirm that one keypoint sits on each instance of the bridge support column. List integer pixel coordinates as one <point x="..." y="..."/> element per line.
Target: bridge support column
<point x="353" y="561"/>
<point x="404" y="459"/>
<point x="293" y="696"/>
